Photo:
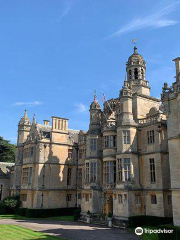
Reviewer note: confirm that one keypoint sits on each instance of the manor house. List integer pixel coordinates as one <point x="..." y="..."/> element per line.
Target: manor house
<point x="127" y="163"/>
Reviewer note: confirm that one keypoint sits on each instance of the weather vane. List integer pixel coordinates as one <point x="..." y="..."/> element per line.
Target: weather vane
<point x="134" y="41"/>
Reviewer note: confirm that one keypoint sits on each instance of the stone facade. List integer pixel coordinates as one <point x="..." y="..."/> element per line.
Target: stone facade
<point x="45" y="169"/>
<point x="127" y="163"/>
<point x="171" y="104"/>
<point x="5" y="180"/>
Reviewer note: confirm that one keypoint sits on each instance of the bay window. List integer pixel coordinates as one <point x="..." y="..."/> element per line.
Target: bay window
<point x="124" y="169"/>
<point x="110" y="141"/>
<point x="110" y="172"/>
<point x="93" y="172"/>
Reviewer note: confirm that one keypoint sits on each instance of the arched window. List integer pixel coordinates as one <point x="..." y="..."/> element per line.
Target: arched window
<point x="136" y="73"/>
<point x="130" y="75"/>
<point x="142" y="73"/>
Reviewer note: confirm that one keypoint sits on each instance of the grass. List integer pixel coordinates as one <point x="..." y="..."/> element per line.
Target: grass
<point x="148" y="236"/>
<point x="14" y="232"/>
<point x="17" y="217"/>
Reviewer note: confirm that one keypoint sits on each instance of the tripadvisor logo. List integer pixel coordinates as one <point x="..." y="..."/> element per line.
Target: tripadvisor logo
<point x="139" y="231"/>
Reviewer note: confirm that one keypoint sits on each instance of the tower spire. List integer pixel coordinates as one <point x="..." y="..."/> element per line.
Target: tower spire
<point x="125" y="82"/>
<point x="34" y="119"/>
<point x="25" y="113"/>
<point x="134" y="41"/>
<point x="95" y="97"/>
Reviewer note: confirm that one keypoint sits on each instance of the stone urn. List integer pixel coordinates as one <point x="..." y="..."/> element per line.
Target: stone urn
<point x="109" y="222"/>
<point x="88" y="220"/>
<point x="110" y="217"/>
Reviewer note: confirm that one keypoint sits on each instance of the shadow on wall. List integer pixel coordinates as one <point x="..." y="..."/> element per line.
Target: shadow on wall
<point x="53" y="177"/>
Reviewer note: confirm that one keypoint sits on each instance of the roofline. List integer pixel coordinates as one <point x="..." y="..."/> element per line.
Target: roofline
<point x="60" y="118"/>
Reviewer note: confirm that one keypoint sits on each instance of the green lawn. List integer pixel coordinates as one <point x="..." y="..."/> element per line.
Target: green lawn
<point x="13" y="232"/>
<point x="148" y="236"/>
<point x="60" y="218"/>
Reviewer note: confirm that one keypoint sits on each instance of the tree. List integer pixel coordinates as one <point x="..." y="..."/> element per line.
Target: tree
<point x="7" y="151"/>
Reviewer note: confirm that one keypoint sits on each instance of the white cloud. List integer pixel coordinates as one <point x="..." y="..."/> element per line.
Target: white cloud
<point x="80" y="108"/>
<point x="64" y="13"/>
<point x="156" y="20"/>
<point x="29" y="104"/>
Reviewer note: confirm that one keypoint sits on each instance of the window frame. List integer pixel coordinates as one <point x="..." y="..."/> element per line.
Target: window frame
<point x="87" y="175"/>
<point x="93" y="144"/>
<point x="69" y="176"/>
<point x="126" y="137"/>
<point x="93" y="172"/>
<point x="151" y="136"/>
<point x="152" y="170"/>
<point x="137" y="199"/>
<point x="123" y="169"/>
<point x="110" y="172"/>
<point x="153" y="199"/>
<point x="69" y="197"/>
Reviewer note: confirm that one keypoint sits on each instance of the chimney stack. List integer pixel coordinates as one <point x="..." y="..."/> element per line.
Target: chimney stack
<point x="46" y="122"/>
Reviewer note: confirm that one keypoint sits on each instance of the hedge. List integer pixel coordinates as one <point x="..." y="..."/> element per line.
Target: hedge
<point x="137" y="221"/>
<point x="169" y="236"/>
<point x="77" y="214"/>
<point x="42" y="213"/>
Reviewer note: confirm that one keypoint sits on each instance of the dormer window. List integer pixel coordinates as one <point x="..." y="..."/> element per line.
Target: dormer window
<point x="136" y="73"/>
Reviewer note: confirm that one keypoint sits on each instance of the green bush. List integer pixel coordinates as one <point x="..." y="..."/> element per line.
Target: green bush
<point x="2" y="208"/>
<point x="77" y="214"/>
<point x="43" y="213"/>
<point x="137" y="221"/>
<point x="88" y="212"/>
<point x="102" y="216"/>
<point x="110" y="215"/>
<point x="11" y="204"/>
<point x="169" y="236"/>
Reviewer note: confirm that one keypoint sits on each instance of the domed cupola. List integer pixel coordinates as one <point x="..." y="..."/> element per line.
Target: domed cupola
<point x="136" y="66"/>
<point x="136" y="69"/>
<point x="25" y="120"/>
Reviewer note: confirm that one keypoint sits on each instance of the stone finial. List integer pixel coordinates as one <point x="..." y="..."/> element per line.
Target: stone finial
<point x="125" y="82"/>
<point x="135" y="49"/>
<point x="95" y="97"/>
<point x="25" y="113"/>
<point x="34" y="119"/>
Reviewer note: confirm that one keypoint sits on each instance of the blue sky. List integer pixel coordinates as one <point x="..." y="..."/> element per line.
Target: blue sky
<point x="55" y="53"/>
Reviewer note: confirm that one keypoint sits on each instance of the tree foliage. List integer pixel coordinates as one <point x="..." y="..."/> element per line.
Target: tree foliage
<point x="7" y="151"/>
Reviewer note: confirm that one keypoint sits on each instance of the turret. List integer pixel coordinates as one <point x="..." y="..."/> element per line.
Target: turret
<point x="95" y="115"/>
<point x="136" y="69"/>
<point x="125" y="97"/>
<point x="23" y="128"/>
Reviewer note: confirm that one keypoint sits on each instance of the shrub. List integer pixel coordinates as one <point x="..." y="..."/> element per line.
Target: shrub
<point x="137" y="221"/>
<point x="77" y="214"/>
<point x="88" y="212"/>
<point x="43" y="213"/>
<point x="11" y="204"/>
<point x="102" y="216"/>
<point x="110" y="215"/>
<point x="2" y="208"/>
